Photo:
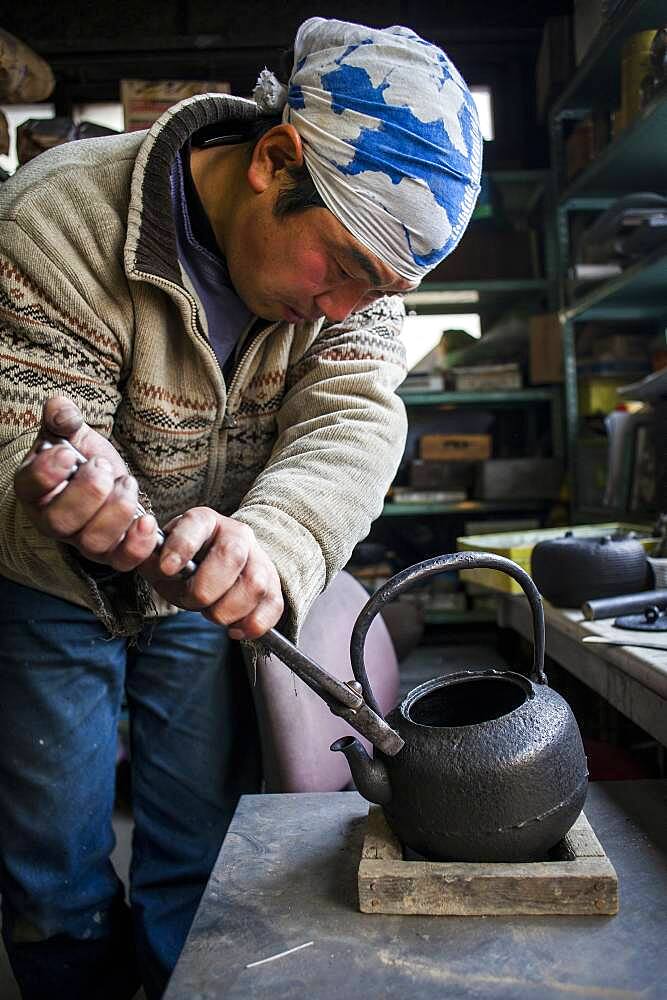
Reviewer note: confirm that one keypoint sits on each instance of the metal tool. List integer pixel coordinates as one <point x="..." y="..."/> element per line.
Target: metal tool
<point x="343" y="699"/>
<point x="600" y="640"/>
<point x="652" y="620"/>
<point x="626" y="604"/>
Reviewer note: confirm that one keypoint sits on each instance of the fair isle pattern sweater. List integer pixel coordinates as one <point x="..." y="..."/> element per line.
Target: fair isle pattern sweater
<point x="301" y="445"/>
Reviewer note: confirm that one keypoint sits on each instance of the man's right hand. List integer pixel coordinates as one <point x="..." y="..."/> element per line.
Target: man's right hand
<point x="96" y="512"/>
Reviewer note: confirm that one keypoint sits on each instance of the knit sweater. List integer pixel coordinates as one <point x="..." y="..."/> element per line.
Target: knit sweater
<point x="302" y="443"/>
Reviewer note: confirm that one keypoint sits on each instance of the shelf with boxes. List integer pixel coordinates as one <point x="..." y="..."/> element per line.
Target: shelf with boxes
<point x="608" y="132"/>
<point x="483" y="446"/>
<point x="624" y="164"/>
<point x="596" y="80"/>
<point x="469" y="456"/>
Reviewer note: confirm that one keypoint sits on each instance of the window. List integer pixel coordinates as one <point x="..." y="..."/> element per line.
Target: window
<point x="483" y="100"/>
<point x="16" y="114"/>
<point x="422" y="333"/>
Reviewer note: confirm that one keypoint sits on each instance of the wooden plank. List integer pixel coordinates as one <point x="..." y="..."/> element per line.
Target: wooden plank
<point x="380" y="844"/>
<point x="570" y="887"/>
<point x="581" y="842"/>
<point x="584" y="882"/>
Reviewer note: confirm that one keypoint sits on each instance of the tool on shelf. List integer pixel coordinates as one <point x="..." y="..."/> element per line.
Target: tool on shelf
<point x="601" y="640"/>
<point x="626" y="604"/>
<point x="651" y="620"/>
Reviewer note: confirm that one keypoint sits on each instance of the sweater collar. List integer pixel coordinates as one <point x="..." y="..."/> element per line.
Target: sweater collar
<point x="150" y="248"/>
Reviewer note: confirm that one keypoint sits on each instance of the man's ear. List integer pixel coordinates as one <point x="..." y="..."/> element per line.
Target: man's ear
<point x="278" y="148"/>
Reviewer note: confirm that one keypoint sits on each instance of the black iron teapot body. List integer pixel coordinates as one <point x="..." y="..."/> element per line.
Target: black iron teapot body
<point x="493" y="767"/>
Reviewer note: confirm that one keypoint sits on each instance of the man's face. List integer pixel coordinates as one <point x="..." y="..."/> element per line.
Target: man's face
<point x="303" y="266"/>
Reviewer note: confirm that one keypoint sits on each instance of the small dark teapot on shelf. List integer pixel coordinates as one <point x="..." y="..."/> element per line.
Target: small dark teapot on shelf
<point x="477" y="765"/>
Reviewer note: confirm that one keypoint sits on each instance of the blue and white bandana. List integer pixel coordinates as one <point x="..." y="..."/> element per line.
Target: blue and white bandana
<point x="391" y="138"/>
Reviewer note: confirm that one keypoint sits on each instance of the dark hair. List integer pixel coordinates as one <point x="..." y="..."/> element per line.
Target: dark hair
<point x="299" y="195"/>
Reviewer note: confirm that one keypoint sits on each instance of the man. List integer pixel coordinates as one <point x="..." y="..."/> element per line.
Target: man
<point x="206" y="312"/>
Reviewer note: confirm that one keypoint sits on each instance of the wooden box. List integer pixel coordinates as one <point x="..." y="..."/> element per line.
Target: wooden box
<point x="546" y="349"/>
<point x="455" y="447"/>
<point x="578" y="879"/>
<point x="145" y="100"/>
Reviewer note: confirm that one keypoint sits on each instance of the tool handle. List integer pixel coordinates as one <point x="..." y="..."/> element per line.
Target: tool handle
<point x="79" y="460"/>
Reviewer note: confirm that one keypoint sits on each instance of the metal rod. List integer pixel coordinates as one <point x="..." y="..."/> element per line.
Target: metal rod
<point x="340" y="697"/>
<point x="308" y="670"/>
<point x="627" y="604"/>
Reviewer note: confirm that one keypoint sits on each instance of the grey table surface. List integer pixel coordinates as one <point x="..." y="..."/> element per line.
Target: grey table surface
<point x="286" y="875"/>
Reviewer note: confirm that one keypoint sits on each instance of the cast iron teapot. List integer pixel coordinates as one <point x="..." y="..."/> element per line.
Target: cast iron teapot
<point x="477" y="765"/>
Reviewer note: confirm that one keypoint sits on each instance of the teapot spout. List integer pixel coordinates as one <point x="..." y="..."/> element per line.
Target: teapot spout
<point x="369" y="773"/>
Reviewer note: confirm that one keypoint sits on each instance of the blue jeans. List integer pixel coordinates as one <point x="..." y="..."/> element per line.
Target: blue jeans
<point x="193" y="751"/>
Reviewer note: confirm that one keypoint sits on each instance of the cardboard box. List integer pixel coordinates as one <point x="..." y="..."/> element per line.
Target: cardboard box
<point x="425" y="475"/>
<point x="546" y="349"/>
<point x="455" y="447"/>
<point x="481" y="378"/>
<point x="519" y="479"/>
<point x="145" y="100"/>
<point x="579" y="148"/>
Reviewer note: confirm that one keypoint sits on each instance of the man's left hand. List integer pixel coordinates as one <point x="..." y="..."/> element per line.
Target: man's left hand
<point x="236" y="584"/>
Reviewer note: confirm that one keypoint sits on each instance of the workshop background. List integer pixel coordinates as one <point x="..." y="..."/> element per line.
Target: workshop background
<point x="537" y="395"/>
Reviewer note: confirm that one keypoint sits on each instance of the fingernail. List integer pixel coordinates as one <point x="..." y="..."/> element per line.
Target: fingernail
<point x="171" y="562"/>
<point x="146" y="524"/>
<point x="101" y="464"/>
<point x="235" y="633"/>
<point x="62" y="416"/>
<point x="127" y="482"/>
<point x="65" y="459"/>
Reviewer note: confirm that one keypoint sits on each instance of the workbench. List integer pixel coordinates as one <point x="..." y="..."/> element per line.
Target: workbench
<point x="633" y="680"/>
<point x="286" y="877"/>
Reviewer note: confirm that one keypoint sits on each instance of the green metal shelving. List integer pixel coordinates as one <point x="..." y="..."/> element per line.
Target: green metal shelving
<point x="635" y="160"/>
<point x="597" y="78"/>
<point x="501" y="397"/>
<point x="640" y="292"/>
<point x="490" y="295"/>
<point x="462" y="507"/>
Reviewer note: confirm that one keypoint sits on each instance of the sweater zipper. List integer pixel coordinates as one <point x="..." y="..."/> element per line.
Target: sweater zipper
<point x="241" y="367"/>
<point x="228" y="420"/>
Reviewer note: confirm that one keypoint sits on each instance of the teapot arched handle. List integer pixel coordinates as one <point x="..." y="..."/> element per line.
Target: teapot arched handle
<point x="431" y="567"/>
